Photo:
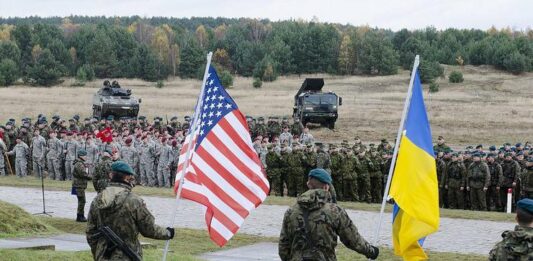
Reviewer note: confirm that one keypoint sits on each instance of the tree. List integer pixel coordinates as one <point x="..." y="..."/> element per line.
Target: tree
<point x="192" y="59"/>
<point x="22" y="36"/>
<point x="226" y="79"/>
<point x="266" y="69"/>
<point x="9" y="50"/>
<point x="9" y="72"/>
<point x="85" y="73"/>
<point x="146" y="64"/>
<point x="345" y="63"/>
<point x="201" y="36"/>
<point x="429" y="70"/>
<point x="102" y="56"/>
<point x="221" y="57"/>
<point x="376" y="55"/>
<point x="46" y="71"/>
<point x="515" y="63"/>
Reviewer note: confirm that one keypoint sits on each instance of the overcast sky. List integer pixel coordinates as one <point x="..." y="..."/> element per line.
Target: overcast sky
<point x="393" y="14"/>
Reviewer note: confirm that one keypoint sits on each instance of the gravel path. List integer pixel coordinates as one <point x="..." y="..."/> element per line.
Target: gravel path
<point x="454" y="235"/>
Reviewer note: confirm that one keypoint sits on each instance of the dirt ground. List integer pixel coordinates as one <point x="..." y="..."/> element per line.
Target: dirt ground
<point x="489" y="107"/>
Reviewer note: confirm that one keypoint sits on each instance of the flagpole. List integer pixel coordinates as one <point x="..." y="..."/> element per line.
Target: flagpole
<point x="397" y="145"/>
<point x="192" y="128"/>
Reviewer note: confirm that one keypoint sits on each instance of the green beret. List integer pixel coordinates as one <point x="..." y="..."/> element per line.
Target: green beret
<point x="526" y="204"/>
<point x="508" y="154"/>
<point x="82" y="152"/>
<point x="122" y="167"/>
<point x="321" y="175"/>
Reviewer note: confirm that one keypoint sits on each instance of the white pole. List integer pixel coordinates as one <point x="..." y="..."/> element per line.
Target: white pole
<point x="396" y="146"/>
<point x="509" y="200"/>
<point x="199" y="105"/>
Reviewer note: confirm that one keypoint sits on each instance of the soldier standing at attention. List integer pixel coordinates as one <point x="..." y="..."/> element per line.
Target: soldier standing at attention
<point x="527" y="180"/>
<point x="124" y="213"/>
<point x="79" y="183"/>
<point x="455" y="182"/>
<point x="516" y="245"/>
<point x="311" y="227"/>
<point x="38" y="148"/>
<point x="363" y="177"/>
<point x="496" y="177"/>
<point x="71" y="146"/>
<point x="337" y="161"/>
<point x="478" y="182"/>
<point x="21" y="152"/>
<point x="511" y="172"/>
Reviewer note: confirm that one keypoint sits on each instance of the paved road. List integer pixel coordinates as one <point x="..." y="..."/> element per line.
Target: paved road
<point x="454" y="235"/>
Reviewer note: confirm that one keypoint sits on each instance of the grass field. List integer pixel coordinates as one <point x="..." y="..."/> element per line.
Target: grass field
<point x="185" y="247"/>
<point x="489" y="107"/>
<point x="271" y="200"/>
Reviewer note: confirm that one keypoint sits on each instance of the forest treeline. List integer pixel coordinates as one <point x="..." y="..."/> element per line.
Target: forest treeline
<point x="42" y="50"/>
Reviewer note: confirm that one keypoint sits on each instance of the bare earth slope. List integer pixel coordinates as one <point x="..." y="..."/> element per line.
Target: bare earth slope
<point x="489" y="107"/>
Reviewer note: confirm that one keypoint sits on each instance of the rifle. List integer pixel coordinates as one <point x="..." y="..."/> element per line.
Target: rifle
<point x="113" y="242"/>
<point x="8" y="164"/>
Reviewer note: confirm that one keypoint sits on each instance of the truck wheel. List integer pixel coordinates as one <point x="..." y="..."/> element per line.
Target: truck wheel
<point x="331" y="125"/>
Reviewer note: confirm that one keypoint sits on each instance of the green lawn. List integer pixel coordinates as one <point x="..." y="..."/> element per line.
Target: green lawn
<point x="271" y="200"/>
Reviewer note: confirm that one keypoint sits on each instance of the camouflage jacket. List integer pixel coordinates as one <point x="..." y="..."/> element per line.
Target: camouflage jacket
<point x="126" y="214"/>
<point x="326" y="222"/>
<point x="323" y="161"/>
<point x="455" y="175"/>
<point x="516" y="245"/>
<point x="101" y="173"/>
<point x="478" y="175"/>
<point x="80" y="176"/>
<point x="527" y="180"/>
<point x="511" y="171"/>
<point x="337" y="160"/>
<point x="496" y="175"/>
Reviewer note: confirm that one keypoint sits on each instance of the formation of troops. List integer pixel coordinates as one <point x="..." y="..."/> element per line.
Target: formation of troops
<point x="474" y="178"/>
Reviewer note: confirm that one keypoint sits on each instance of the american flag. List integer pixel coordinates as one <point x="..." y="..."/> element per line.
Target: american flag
<point x="223" y="171"/>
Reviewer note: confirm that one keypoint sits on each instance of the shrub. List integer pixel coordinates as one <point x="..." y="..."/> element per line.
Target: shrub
<point x="515" y="63"/>
<point x="257" y="83"/>
<point x="85" y="73"/>
<point x="433" y="87"/>
<point x="160" y="84"/>
<point x="9" y="72"/>
<point x="456" y="77"/>
<point x="429" y="70"/>
<point x="226" y="79"/>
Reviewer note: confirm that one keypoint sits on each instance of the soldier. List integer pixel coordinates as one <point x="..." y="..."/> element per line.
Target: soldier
<point x="147" y="156"/>
<point x="21" y="152"/>
<point x="286" y="136"/>
<point x="527" y="180"/>
<point x="129" y="154"/>
<point x="496" y="177"/>
<point x="274" y="128"/>
<point x="187" y="124"/>
<point x="273" y="170"/>
<point x="260" y="128"/>
<point x="441" y="168"/>
<point x="92" y="154"/>
<point x="38" y="148"/>
<point x="124" y="213"/>
<point x="511" y="173"/>
<point x="363" y="177"/>
<point x="297" y="127"/>
<point x="384" y="145"/>
<point x="55" y="148"/>
<point x="306" y="137"/>
<point x="349" y="175"/>
<point x="358" y="145"/>
<point x="3" y="150"/>
<point x="165" y="160"/>
<point x="309" y="163"/>
<point x="311" y="227"/>
<point x="455" y="182"/>
<point x="376" y="177"/>
<point x="284" y="166"/>
<point x="336" y="160"/>
<point x="517" y="244"/>
<point x="70" y="148"/>
<point x="175" y="124"/>
<point x="102" y="170"/>
<point x="441" y="145"/>
<point x="79" y="183"/>
<point x="478" y="182"/>
<point x="295" y="174"/>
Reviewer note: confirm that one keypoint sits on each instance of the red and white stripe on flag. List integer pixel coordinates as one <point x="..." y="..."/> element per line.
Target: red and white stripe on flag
<point x="224" y="174"/>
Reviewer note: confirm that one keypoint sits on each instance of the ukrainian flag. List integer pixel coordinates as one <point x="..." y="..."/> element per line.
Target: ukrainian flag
<point x="414" y="184"/>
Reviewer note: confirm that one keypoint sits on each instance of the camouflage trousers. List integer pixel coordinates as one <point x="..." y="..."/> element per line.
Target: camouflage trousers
<point x="294" y="182"/>
<point x="455" y="198"/>
<point x="69" y="167"/>
<point x="2" y="164"/>
<point x="21" y="167"/>
<point x="363" y="182"/>
<point x="163" y="176"/>
<point x="477" y="199"/>
<point x="493" y="199"/>
<point x="337" y="183"/>
<point x="147" y="174"/>
<point x="38" y="166"/>
<point x="54" y="168"/>
<point x="273" y="177"/>
<point x="350" y="190"/>
<point x="376" y="184"/>
<point x="80" y="194"/>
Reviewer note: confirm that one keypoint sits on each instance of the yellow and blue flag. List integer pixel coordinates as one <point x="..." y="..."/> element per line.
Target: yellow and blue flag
<point x="414" y="185"/>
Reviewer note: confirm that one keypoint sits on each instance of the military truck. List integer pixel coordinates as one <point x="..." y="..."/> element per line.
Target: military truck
<point x="114" y="100"/>
<point x="312" y="105"/>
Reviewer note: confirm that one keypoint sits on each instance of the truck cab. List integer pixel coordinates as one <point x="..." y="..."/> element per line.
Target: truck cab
<point x="312" y="105"/>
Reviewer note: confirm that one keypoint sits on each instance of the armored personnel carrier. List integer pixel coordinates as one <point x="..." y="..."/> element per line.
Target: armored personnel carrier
<point x="114" y="100"/>
<point x="311" y="105"/>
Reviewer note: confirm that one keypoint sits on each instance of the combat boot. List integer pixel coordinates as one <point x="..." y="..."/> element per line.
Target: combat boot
<point x="81" y="218"/>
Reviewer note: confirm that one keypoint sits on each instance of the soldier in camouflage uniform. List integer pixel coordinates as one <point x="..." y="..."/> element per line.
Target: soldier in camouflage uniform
<point x="297" y="127"/>
<point x="349" y="175"/>
<point x="21" y="152"/>
<point x="124" y="213"/>
<point x="79" y="183"/>
<point x="38" y="148"/>
<point x="92" y="154"/>
<point x="517" y="244"/>
<point x="129" y="154"/>
<point x="336" y="160"/>
<point x="441" y="145"/>
<point x="274" y="128"/>
<point x="260" y="129"/>
<point x="273" y="171"/>
<point x="284" y="167"/>
<point x="363" y="177"/>
<point x="163" y="168"/>
<point x="496" y="177"/>
<point x="455" y="182"/>
<point x="70" y="148"/>
<point x="376" y="177"/>
<point x="147" y="155"/>
<point x="309" y="163"/>
<point x="478" y="182"/>
<point x="55" y="148"/>
<point x="511" y="173"/>
<point x="311" y="227"/>
<point x="3" y="149"/>
<point x="441" y="168"/>
<point x="295" y="173"/>
<point x="527" y="180"/>
<point x="102" y="171"/>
